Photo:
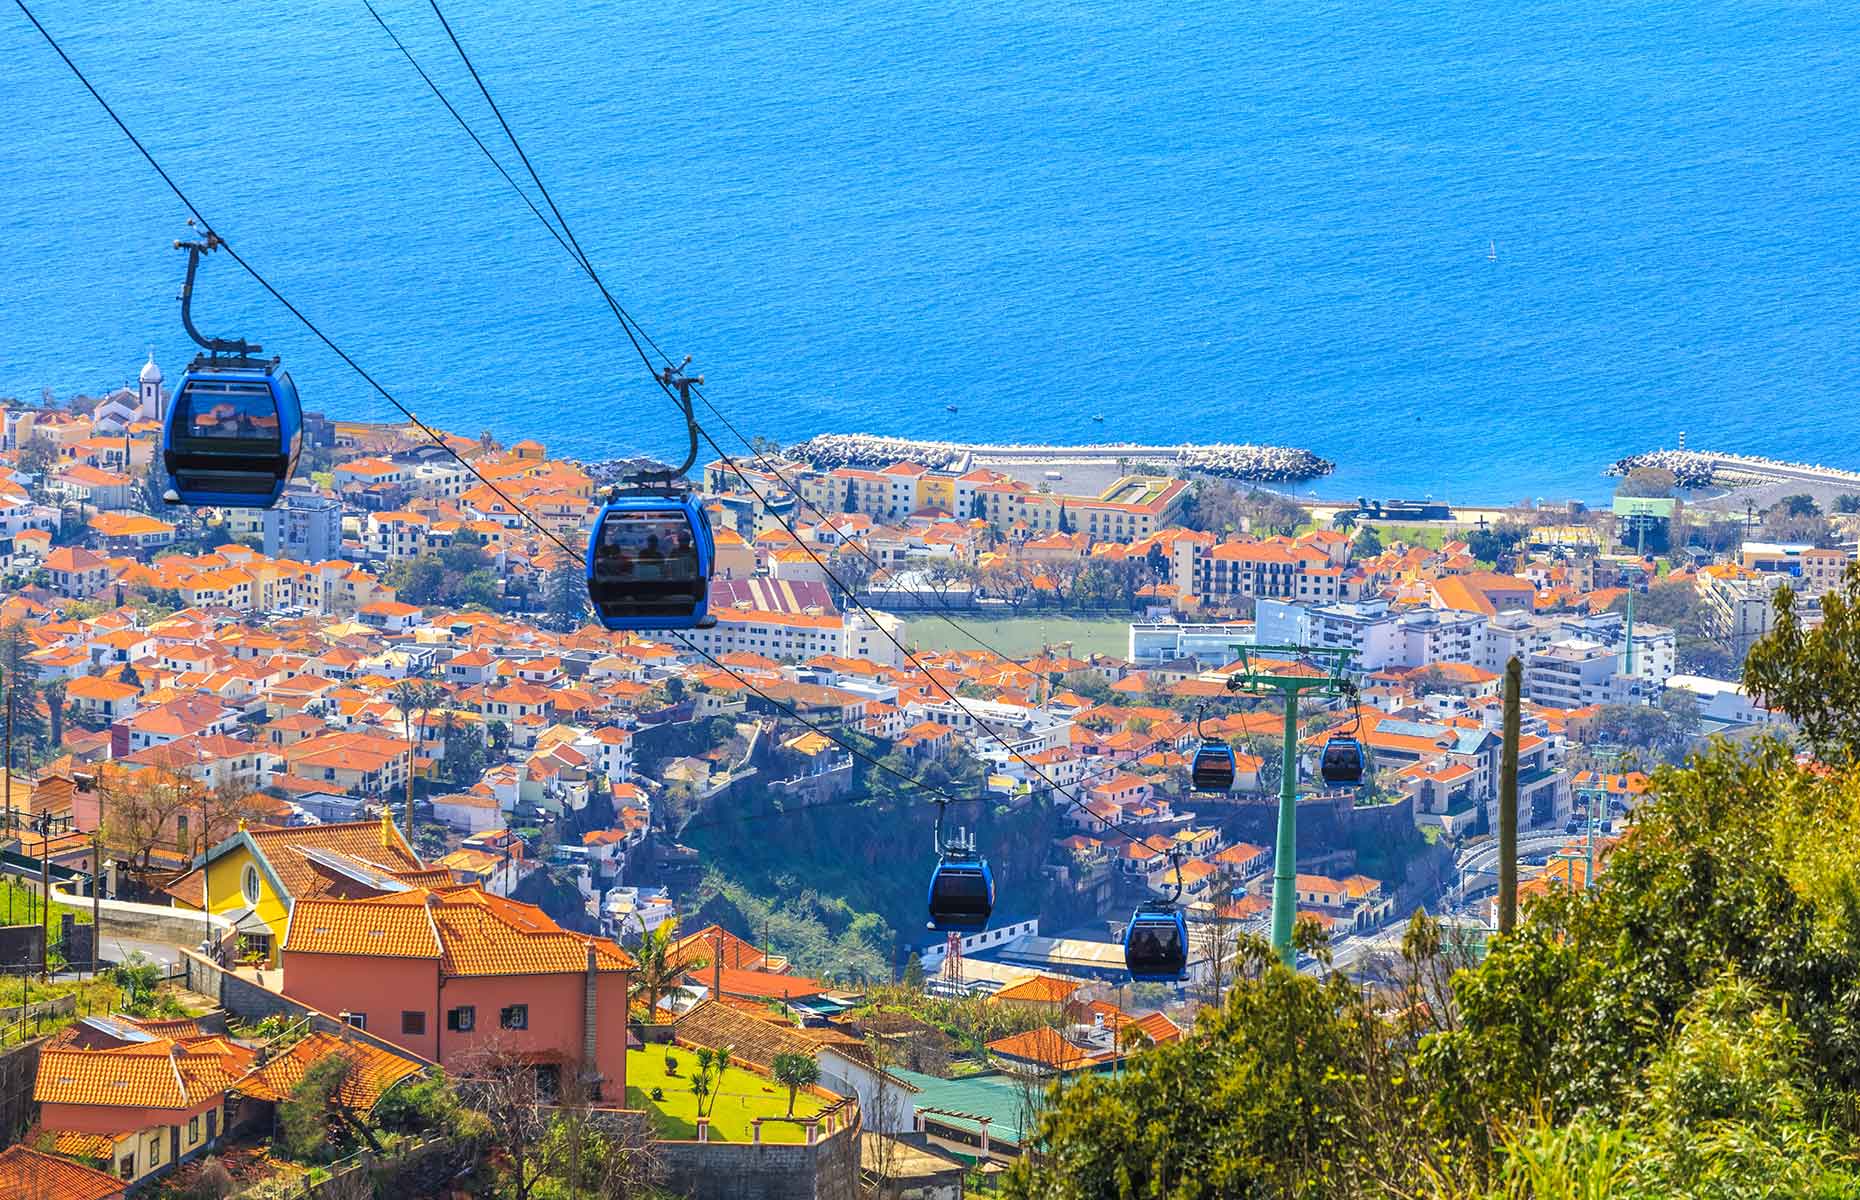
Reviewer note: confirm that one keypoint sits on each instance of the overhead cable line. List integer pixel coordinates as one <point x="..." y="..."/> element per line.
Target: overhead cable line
<point x="627" y="324"/>
<point x="572" y="247"/>
<point x="431" y="433"/>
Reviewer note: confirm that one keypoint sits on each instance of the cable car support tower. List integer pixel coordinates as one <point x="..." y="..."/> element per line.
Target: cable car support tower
<point x="1262" y="677"/>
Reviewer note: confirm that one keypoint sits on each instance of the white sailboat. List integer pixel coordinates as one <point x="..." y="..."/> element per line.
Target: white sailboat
<point x="1492" y="256"/>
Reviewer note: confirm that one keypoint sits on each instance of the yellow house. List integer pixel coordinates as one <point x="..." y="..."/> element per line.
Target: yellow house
<point x="937" y="491"/>
<point x="256" y="876"/>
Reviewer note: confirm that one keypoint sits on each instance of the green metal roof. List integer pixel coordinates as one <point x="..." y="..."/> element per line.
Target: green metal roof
<point x="996" y="1096"/>
<point x="1644" y="506"/>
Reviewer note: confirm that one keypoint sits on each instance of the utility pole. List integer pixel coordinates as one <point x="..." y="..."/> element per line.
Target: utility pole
<point x="1640" y="556"/>
<point x="1508" y="802"/>
<point x="45" y="894"/>
<point x="6" y="698"/>
<point x="96" y="897"/>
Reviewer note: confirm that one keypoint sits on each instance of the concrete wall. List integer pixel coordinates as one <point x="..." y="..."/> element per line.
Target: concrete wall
<point x="827" y="1170"/>
<point x="147" y="922"/>
<point x="19" y="1068"/>
<point x="21" y="945"/>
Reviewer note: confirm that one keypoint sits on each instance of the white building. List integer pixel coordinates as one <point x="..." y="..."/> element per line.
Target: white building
<point x="1575" y="673"/>
<point x="1721" y="702"/>
<point x="796" y="635"/>
<point x="1166" y="641"/>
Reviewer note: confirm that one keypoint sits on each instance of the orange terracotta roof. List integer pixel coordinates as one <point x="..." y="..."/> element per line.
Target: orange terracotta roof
<point x="1041" y="989"/>
<point x="160" y="1074"/>
<point x="30" y="1175"/>
<point x="469" y="930"/>
<point x="1043" y="1046"/>
<point x="372" y="1071"/>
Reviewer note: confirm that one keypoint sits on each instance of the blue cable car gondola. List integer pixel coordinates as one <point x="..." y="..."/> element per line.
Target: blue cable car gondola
<point x="234" y="430"/>
<point x="649" y="557"/>
<point x="648" y="563"/>
<point x="962" y="888"/>
<point x="1156" y="940"/>
<point x="1342" y="761"/>
<point x="1212" y="769"/>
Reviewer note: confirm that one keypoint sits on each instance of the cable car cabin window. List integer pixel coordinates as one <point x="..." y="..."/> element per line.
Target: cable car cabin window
<point x="646" y="547"/>
<point x="961" y="893"/>
<point x="218" y="411"/>
<point x="1155" y="944"/>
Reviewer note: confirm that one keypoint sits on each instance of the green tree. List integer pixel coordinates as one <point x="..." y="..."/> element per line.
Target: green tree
<point x="1368" y="542"/>
<point x="417" y="580"/>
<point x="1491" y="545"/>
<point x="659" y="972"/>
<point x="54" y="693"/>
<point x="1065" y="523"/>
<point x="1648" y="482"/>
<point x="1343" y="520"/>
<point x="794" y="1072"/>
<point x="314" y="1122"/>
<point x="567" y="590"/>
<point x="19" y="675"/>
<point x="1810" y="673"/>
<point x="1270" y="1097"/>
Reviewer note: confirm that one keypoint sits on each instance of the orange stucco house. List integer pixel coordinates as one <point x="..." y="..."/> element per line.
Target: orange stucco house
<point x="450" y="972"/>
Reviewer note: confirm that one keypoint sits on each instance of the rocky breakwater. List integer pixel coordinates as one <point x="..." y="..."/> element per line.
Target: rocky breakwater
<point x="1691" y="468"/>
<point x="1265" y="464"/>
<point x="1703" y="468"/>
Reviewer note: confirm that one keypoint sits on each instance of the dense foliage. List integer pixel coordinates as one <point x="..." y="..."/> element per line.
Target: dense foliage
<point x="1690" y="1027"/>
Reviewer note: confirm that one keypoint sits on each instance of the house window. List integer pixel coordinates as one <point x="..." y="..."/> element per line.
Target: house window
<point x="356" y="1019"/>
<point x="248" y="884"/>
<point x="154" y="1148"/>
<point x="462" y="1020"/>
<point x="517" y="1016"/>
<point x="126" y="1166"/>
<point x="413" y="1024"/>
<point x="193" y="1130"/>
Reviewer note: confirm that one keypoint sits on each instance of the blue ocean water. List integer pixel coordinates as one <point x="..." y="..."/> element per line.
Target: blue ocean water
<point x="1206" y="221"/>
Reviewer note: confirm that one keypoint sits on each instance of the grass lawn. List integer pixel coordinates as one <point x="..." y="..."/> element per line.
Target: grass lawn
<point x="21" y="905"/>
<point x="745" y="1095"/>
<point x="1019" y="637"/>
<point x="1431" y="536"/>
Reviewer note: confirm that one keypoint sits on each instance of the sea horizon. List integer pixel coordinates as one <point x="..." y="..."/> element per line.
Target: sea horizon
<point x="1429" y="244"/>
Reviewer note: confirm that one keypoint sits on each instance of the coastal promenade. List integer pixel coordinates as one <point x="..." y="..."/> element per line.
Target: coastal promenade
<point x="1282" y="464"/>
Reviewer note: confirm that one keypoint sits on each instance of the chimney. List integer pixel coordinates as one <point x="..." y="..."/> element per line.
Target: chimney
<point x="590" y="1013"/>
<point x="387" y="827"/>
<point x="716" y="964"/>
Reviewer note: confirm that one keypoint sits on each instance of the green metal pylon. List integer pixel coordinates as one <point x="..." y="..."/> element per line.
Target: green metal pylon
<point x="1252" y="681"/>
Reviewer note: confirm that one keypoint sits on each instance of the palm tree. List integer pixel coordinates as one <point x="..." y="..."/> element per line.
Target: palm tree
<point x="794" y="1072"/>
<point x="657" y="972"/>
<point x="415" y="697"/>
<point x="1344" y="521"/>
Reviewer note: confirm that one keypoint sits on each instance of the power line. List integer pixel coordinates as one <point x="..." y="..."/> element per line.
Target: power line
<point x="249" y="269"/>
